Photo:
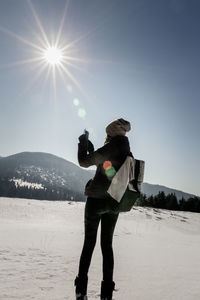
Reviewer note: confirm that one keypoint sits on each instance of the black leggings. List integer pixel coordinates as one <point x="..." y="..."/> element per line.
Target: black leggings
<point x="96" y="210"/>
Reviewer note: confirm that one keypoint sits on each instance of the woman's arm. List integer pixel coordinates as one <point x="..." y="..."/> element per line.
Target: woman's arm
<point x="97" y="157"/>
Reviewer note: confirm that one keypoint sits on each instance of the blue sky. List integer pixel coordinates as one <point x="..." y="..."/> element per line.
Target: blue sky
<point x="139" y="60"/>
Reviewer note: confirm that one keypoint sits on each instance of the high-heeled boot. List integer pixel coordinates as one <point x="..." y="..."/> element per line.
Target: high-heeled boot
<point x="81" y="287"/>
<point x="107" y="288"/>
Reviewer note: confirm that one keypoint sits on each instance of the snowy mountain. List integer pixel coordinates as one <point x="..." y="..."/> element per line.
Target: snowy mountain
<point x="55" y="177"/>
<point x="46" y="176"/>
<point x="43" y="167"/>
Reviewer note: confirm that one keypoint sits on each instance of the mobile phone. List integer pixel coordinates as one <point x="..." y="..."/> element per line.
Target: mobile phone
<point x="86" y="133"/>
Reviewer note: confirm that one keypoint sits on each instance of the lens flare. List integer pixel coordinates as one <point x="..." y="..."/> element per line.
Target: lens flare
<point x="109" y="169"/>
<point x="76" y="102"/>
<point x="110" y="172"/>
<point x="82" y="113"/>
<point x="107" y="165"/>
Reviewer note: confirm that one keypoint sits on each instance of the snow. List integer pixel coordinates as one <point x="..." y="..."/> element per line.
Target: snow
<point x="40" y="173"/>
<point x="22" y="183"/>
<point x="156" y="252"/>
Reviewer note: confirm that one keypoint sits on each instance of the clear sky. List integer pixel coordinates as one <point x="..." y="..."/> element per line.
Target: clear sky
<point x="136" y="59"/>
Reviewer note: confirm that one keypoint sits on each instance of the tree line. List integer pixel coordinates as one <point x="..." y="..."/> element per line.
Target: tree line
<point x="170" y="202"/>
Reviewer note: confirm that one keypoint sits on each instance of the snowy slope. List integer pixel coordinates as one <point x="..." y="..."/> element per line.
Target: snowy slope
<point x="156" y="252"/>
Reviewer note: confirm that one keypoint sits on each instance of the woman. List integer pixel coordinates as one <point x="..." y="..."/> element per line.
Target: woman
<point x="99" y="205"/>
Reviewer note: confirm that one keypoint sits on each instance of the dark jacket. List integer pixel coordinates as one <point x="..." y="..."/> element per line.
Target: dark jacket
<point x="115" y="151"/>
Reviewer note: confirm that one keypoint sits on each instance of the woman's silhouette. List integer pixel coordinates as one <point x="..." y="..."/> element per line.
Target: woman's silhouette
<point x="99" y="205"/>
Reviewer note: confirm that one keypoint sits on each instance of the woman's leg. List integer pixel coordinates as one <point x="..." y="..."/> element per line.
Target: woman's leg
<point x="92" y="219"/>
<point x="108" y="222"/>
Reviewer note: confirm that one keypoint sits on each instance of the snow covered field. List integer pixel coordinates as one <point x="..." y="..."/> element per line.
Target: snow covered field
<point x="157" y="252"/>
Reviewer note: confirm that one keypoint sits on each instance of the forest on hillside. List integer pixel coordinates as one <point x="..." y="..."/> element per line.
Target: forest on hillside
<point x="170" y="202"/>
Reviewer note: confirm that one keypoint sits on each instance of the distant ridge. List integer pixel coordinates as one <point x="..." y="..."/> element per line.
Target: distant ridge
<point x="154" y="189"/>
<point x="40" y="174"/>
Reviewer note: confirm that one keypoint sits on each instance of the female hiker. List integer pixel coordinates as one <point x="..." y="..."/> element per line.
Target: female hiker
<point x="99" y="205"/>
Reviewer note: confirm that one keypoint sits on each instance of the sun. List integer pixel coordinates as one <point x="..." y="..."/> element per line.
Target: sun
<point x="53" y="56"/>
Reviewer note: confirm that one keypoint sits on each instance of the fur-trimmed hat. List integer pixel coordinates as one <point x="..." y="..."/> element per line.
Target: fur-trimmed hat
<point x="118" y="127"/>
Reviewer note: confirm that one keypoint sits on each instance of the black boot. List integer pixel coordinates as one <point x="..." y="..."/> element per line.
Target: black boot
<point x="81" y="287"/>
<point x="107" y="288"/>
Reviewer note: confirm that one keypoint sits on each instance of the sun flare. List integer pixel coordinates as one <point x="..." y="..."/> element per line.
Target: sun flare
<point x="53" y="56"/>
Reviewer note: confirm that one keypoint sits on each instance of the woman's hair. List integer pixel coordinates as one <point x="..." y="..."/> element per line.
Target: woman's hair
<point x="107" y="140"/>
